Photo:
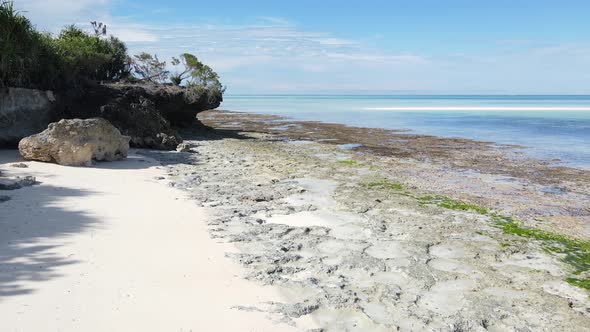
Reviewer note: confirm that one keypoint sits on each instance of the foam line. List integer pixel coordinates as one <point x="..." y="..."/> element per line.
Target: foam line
<point x="479" y="108"/>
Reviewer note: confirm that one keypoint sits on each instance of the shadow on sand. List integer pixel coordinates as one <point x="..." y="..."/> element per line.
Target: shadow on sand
<point x="32" y="226"/>
<point x="28" y="245"/>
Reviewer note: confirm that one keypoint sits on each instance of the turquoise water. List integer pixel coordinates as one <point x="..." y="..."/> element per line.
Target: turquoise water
<point x="555" y="127"/>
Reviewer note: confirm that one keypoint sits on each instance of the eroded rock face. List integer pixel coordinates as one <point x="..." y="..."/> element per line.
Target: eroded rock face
<point x="24" y="112"/>
<point x="178" y="104"/>
<point x="148" y="113"/>
<point x="76" y="142"/>
<point x="137" y="116"/>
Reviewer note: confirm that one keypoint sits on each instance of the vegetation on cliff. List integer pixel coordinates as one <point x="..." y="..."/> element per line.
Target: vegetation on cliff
<point x="32" y="59"/>
<point x="27" y="57"/>
<point x="192" y="73"/>
<point x="73" y="58"/>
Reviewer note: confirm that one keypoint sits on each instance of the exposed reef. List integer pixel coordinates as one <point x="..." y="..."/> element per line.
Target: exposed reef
<point x="362" y="241"/>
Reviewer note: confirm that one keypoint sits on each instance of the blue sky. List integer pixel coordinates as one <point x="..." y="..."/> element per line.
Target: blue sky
<point x="371" y="46"/>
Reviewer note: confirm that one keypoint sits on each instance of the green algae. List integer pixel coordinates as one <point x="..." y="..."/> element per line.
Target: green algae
<point x="451" y="204"/>
<point x="582" y="283"/>
<point x="573" y="252"/>
<point x="385" y="184"/>
<point x="348" y="162"/>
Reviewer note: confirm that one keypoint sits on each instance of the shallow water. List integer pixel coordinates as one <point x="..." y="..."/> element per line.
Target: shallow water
<point x="553" y="127"/>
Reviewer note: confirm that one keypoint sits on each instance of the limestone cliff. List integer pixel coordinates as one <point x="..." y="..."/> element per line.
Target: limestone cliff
<point x="24" y="112"/>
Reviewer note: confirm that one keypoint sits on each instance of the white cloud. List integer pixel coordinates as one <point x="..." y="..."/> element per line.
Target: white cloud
<point x="274" y="54"/>
<point x="231" y="47"/>
<point x="132" y="33"/>
<point x="335" y="41"/>
<point x="52" y="15"/>
<point x="271" y="51"/>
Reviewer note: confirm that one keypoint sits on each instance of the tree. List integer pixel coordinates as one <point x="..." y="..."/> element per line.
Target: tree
<point x="149" y="68"/>
<point x="190" y="64"/>
<point x="27" y="57"/>
<point x="90" y="57"/>
<point x="204" y="78"/>
<point x="198" y="76"/>
<point x="119" y="66"/>
<point x="99" y="28"/>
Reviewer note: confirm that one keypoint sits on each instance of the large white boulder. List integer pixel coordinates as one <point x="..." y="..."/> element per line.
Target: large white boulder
<point x="76" y="142"/>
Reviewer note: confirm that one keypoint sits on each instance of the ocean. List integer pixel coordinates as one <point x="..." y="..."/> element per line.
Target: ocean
<point x="550" y="127"/>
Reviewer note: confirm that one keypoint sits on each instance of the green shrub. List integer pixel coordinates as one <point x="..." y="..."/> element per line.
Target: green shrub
<point x="198" y="76"/>
<point x="32" y="59"/>
<point x="149" y="68"/>
<point x="90" y="57"/>
<point x="27" y="57"/>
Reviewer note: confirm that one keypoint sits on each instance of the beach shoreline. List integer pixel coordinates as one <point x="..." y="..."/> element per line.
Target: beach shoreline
<point x="314" y="226"/>
<point x="112" y="247"/>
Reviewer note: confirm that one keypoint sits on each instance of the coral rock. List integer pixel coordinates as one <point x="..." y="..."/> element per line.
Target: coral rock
<point x="76" y="142"/>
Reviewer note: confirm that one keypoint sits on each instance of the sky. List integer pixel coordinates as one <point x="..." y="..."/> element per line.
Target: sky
<point x="370" y="46"/>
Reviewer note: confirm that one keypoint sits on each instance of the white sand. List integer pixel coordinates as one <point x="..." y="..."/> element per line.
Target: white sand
<point x="108" y="248"/>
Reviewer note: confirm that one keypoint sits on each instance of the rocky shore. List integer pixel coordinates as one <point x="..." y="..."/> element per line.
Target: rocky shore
<point x="150" y="114"/>
<point x="368" y="229"/>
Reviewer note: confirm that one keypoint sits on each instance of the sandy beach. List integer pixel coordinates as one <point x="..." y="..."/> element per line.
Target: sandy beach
<point x="114" y="248"/>
<point x="319" y="166"/>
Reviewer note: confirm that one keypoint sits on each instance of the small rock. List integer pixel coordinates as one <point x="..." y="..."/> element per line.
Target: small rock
<point x="4" y="198"/>
<point x="185" y="147"/>
<point x="362" y="209"/>
<point x="211" y="204"/>
<point x="20" y="165"/>
<point x="262" y="199"/>
<point x="17" y="183"/>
